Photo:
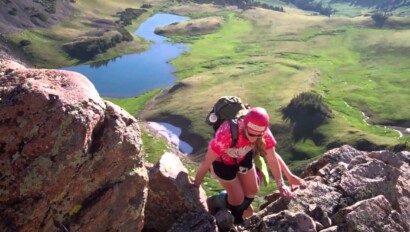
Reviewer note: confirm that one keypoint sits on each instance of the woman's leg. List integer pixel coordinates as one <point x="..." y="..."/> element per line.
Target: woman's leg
<point x="240" y="186"/>
<point x="234" y="191"/>
<point x="248" y="212"/>
<point x="235" y="198"/>
<point x="227" y="176"/>
<point x="249" y="182"/>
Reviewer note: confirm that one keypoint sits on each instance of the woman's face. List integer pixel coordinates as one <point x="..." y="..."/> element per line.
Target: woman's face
<point x="252" y="137"/>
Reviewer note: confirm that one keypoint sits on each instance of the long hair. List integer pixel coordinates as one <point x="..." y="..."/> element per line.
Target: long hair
<point x="259" y="147"/>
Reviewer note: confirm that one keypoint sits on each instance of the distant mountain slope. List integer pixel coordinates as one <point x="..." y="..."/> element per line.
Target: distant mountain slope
<point x="24" y="14"/>
<point x="384" y="5"/>
<point x="329" y="7"/>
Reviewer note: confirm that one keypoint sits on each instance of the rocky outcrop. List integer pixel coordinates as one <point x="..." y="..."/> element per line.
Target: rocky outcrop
<point x="69" y="160"/>
<point x="347" y="190"/>
<point x="174" y="204"/>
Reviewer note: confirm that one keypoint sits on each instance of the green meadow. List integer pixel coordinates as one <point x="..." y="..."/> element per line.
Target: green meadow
<point x="268" y="57"/>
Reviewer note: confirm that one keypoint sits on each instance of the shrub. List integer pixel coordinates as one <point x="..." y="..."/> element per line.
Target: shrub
<point x="128" y="15"/>
<point x="126" y="35"/>
<point x="49" y="5"/>
<point x="40" y="16"/>
<point x="306" y="104"/>
<point x="146" y="6"/>
<point x="306" y="112"/>
<point x="13" y="11"/>
<point x="24" y="43"/>
<point x="380" y="18"/>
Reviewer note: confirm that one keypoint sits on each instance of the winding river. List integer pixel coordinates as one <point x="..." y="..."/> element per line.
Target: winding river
<point x="135" y="74"/>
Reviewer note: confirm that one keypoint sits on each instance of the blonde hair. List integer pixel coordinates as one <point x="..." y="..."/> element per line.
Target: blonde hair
<point x="260" y="145"/>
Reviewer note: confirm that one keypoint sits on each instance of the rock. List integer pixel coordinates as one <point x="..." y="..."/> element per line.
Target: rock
<point x="288" y="221"/>
<point x="332" y="157"/>
<point x="171" y="194"/>
<point x="344" y="188"/>
<point x="69" y="160"/>
<point x="217" y="202"/>
<point x="194" y="221"/>
<point x="225" y="220"/>
<point x="374" y="214"/>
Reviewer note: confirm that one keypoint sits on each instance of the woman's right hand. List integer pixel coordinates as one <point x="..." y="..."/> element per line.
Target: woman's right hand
<point x="285" y="192"/>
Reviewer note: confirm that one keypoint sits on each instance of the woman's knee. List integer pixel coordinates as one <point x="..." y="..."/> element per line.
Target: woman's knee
<point x="249" y="183"/>
<point x="235" y="197"/>
<point x="251" y="191"/>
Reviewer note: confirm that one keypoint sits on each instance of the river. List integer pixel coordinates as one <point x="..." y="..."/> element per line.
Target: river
<point x="135" y="74"/>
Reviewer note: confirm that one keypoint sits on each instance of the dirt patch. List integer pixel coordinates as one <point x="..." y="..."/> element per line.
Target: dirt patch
<point x="191" y="27"/>
<point x="193" y="8"/>
<point x="101" y="26"/>
<point x="101" y="23"/>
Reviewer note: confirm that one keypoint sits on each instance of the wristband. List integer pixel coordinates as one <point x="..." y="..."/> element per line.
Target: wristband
<point x="279" y="183"/>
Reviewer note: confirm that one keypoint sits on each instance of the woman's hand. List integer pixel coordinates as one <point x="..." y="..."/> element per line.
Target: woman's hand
<point x="295" y="180"/>
<point x="285" y="192"/>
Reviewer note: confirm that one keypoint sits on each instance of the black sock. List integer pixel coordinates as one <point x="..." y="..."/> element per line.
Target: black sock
<point x="237" y="212"/>
<point x="246" y="203"/>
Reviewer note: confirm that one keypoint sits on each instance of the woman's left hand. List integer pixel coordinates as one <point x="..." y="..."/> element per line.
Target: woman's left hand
<point x="295" y="180"/>
<point x="285" y="192"/>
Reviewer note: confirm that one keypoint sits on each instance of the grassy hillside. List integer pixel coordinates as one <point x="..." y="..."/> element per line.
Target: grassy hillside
<point x="350" y="8"/>
<point x="268" y="57"/>
<point x="45" y="47"/>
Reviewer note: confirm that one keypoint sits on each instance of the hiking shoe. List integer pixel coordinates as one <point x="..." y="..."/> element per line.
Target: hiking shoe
<point x="224" y="220"/>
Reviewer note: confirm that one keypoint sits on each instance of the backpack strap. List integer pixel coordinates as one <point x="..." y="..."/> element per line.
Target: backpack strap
<point x="233" y="124"/>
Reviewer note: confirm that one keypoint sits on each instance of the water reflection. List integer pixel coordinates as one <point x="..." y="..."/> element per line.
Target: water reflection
<point x="103" y="63"/>
<point x="171" y="133"/>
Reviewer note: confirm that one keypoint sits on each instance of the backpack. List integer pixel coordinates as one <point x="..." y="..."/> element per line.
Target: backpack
<point x="227" y="108"/>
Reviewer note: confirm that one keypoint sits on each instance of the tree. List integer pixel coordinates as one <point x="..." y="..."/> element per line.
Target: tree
<point x="380" y="18"/>
<point x="306" y="112"/>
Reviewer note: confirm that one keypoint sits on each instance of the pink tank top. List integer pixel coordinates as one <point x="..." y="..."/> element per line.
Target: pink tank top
<point x="233" y="155"/>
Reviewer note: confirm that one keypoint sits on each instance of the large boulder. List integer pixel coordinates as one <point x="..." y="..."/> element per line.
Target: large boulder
<point x="346" y="190"/>
<point x="69" y="160"/>
<point x="173" y="202"/>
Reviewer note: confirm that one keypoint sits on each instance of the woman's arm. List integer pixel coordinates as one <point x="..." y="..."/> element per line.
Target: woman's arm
<point x="292" y="179"/>
<point x="204" y="166"/>
<point x="274" y="166"/>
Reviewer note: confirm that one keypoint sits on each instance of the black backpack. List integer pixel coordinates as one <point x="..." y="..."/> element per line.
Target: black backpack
<point x="227" y="108"/>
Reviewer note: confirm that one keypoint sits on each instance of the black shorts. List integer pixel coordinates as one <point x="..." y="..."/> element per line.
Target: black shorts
<point x="228" y="172"/>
